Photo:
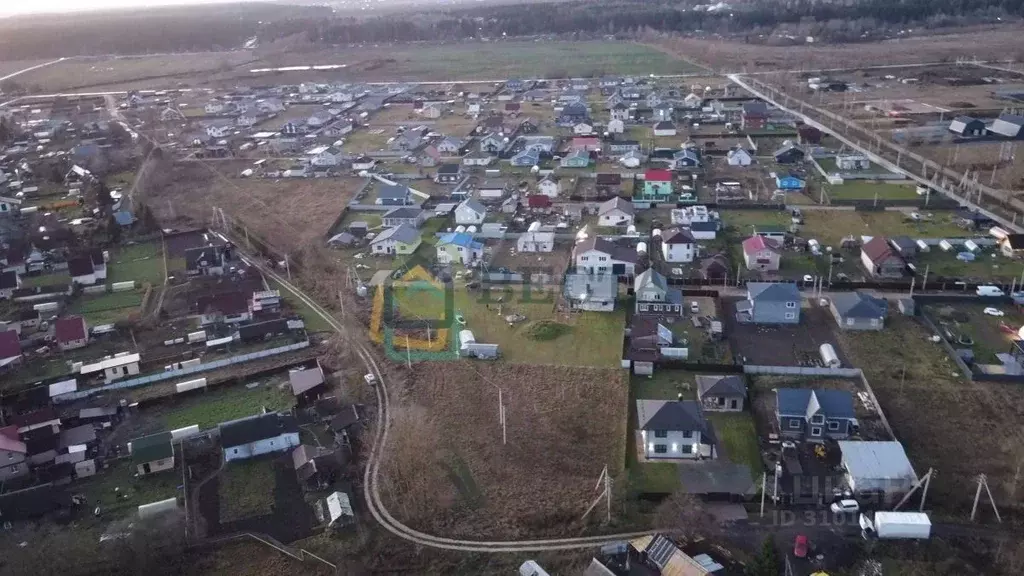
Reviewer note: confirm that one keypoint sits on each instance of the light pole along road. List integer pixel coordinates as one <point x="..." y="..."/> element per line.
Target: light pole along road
<point x="372" y="472"/>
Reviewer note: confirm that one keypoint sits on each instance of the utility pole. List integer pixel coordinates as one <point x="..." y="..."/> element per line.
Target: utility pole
<point x="605" y="481"/>
<point x="764" y="480"/>
<point x="924" y="282"/>
<point x="983" y="483"/>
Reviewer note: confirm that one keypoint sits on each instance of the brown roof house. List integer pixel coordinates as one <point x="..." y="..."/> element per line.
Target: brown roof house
<point x="71" y="333"/>
<point x="880" y="260"/>
<point x="316" y="467"/>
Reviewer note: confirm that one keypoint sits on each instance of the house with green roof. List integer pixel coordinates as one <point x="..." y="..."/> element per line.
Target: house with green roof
<point x="152" y="454"/>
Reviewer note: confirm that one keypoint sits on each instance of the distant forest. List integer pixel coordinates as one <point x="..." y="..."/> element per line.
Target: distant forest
<point x="220" y="27"/>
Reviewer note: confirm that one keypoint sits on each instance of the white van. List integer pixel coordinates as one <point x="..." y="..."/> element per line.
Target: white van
<point x="989" y="291"/>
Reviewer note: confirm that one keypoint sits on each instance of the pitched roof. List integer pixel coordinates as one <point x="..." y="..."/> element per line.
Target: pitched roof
<point x="9" y="440"/>
<point x="210" y="254"/>
<point x="474" y="205"/>
<point x="594" y="286"/>
<point x="615" y="203"/>
<point x="403" y="233"/>
<point x="664" y="125"/>
<point x="609" y="179"/>
<point x="306" y="379"/>
<point x="859" y="305"/>
<point x="654" y="175"/>
<point x="615" y="251"/>
<point x="755" y="109"/>
<point x="405" y="212"/>
<point x="802" y="402"/>
<point x="1015" y="241"/>
<point x="345" y="417"/>
<point x="8" y="280"/>
<point x="80" y="266"/>
<point x="393" y="192"/>
<point x="459" y="239"/>
<point x="757" y="243"/>
<point x="878" y="249"/>
<point x="678" y="236"/>
<point x="153" y="447"/>
<point x="1008" y="125"/>
<point x="70" y="329"/>
<point x="721" y="385"/>
<point x="670" y="415"/>
<point x="449" y="169"/>
<point x="773" y="291"/>
<point x="256" y="428"/>
<point x="10" y="347"/>
<point x="649" y="277"/>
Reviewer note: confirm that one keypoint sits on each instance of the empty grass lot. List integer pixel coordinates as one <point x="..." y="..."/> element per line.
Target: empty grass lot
<point x="99" y="489"/>
<point x="313" y="321"/>
<point x="737" y="439"/>
<point x="107" y="308"/>
<point x="984" y="266"/>
<point x="246" y="489"/>
<point x="143" y="263"/>
<point x="225" y="403"/>
<point x="868" y="190"/>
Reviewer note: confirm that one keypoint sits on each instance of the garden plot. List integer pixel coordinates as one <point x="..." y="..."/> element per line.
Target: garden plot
<point x="207" y="408"/>
<point x="781" y="344"/>
<point x="988" y="265"/>
<point x="969" y="327"/>
<point x="141" y="263"/>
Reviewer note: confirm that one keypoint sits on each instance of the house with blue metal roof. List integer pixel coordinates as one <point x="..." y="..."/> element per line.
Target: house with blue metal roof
<point x="814" y="415"/>
<point x="789" y="183"/>
<point x="458" y="248"/>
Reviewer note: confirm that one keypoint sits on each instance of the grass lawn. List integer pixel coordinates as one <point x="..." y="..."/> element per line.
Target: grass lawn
<point x="743" y="220"/>
<point x="99" y="489"/>
<point x="867" y="190"/>
<point x="984" y="266"/>
<point x="653" y="477"/>
<point x="895" y="223"/>
<point x="664" y="385"/>
<point x="139" y="262"/>
<point x="314" y="323"/>
<point x="224" y="403"/>
<point x="58" y="278"/>
<point x="107" y="308"/>
<point x="738" y="439"/>
<point x="367" y="139"/>
<point x="246" y="489"/>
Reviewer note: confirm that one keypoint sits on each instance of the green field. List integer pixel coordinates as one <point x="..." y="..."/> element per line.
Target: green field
<point x="58" y="278"/>
<point x="869" y="190"/>
<point x="738" y="439"/>
<point x="142" y="263"/>
<point x="246" y="489"/>
<point x="313" y="321"/>
<point x="526" y="60"/>
<point x="107" y="308"/>
<point x="984" y="266"/>
<point x="99" y="489"/>
<point x="224" y="403"/>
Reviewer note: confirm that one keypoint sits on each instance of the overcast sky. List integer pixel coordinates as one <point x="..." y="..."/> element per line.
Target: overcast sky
<point x="12" y="7"/>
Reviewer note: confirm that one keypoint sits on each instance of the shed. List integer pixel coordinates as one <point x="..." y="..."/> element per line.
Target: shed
<point x="877" y="468"/>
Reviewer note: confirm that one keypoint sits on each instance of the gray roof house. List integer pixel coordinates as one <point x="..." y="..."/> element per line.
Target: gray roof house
<point x="718" y="393"/>
<point x="858" y="311"/>
<point x="591" y="292"/>
<point x="815" y="415"/>
<point x="770" y="303"/>
<point x="653" y="295"/>
<point x="967" y="126"/>
<point x="674" y="430"/>
<point x="1008" y="126"/>
<point x="393" y="195"/>
<point x="410" y="215"/>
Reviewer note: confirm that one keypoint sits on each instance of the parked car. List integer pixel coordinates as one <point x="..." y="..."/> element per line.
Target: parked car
<point x="845" y="507"/>
<point x="694" y="308"/>
<point x="800" y="546"/>
<point x="994" y="312"/>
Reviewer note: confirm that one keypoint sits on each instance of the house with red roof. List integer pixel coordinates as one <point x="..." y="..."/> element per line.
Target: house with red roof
<point x="10" y="349"/>
<point x="657" y="185"/>
<point x="761" y="253"/>
<point x="71" y="333"/>
<point x="880" y="259"/>
<point x="587" y="143"/>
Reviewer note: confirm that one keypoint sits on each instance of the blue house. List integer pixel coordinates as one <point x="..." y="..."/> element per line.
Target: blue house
<point x="815" y="415"/>
<point x="257" y="435"/>
<point x="770" y="303"/>
<point x="578" y="158"/>
<point x="527" y="158"/>
<point x="687" y="158"/>
<point x="124" y="218"/>
<point x="789" y="183"/>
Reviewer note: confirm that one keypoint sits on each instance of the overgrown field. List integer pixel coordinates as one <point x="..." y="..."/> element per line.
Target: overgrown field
<point x="448" y="472"/>
<point x="960" y="428"/>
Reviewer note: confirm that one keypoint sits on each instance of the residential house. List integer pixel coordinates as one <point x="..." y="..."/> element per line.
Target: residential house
<point x="617" y="212"/>
<point x="473" y="109"/>
<point x="470" y="212"/>
<point x="270" y="105"/>
<point x="214" y="107"/>
<point x="1008" y="126"/>
<point x="536" y="241"/>
<point x="247" y="120"/>
<point x="318" y="119"/>
<point x="858" y="311"/>
<point x="538" y="203"/>
<point x="327" y="157"/>
<point x="657" y="185"/>
<point x="590" y="292"/>
<point x="653" y="295"/>
<point x="429" y="157"/>
<point x="650" y="340"/>
<point x="738" y="156"/>
<point x="770" y="303"/>
<point x="718" y="393"/>
<point x="448" y="174"/>
<point x="715" y="268"/>
<point x="762" y="253"/>
<point x="853" y="162"/>
<point x="572" y="114"/>
<point x="578" y="158"/>
<point x="615" y="126"/>
<point x="363" y="163"/>
<point x="431" y="111"/>
<point x="623" y="146"/>
<point x="678" y="245"/>
<point x="754" y="116"/>
<point x="410" y="215"/>
<point x="815" y="415"/>
<point x="492" y="144"/>
<point x="257" y="435"/>
<point x="586" y="143"/>
<point x="527" y="158"/>
<point x="459" y="248"/>
<point x="207" y="260"/>
<point x="1012" y="246"/>
<point x="600" y="256"/>
<point x="620" y="112"/>
<point x="693" y="101"/>
<point x="339" y="96"/>
<point x="393" y="195"/>
<point x="316" y="466"/>
<point x="515" y="85"/>
<point x="13" y="453"/>
<point x="808" y="135"/>
<point x="220" y="128"/>
<point x="81" y="270"/>
<point x="292" y="129"/>
<point x="71" y="333"/>
<point x="9" y="282"/>
<point x="582" y="129"/>
<point x="665" y="128"/>
<point x="788" y="182"/>
<point x="152" y="454"/>
<point x="450" y="146"/>
<point x="789" y="154"/>
<point x="400" y="240"/>
<point x="231" y="307"/>
<point x="631" y="159"/>
<point x="8" y="205"/>
<point x="674" y="429"/>
<point x="663" y="112"/>
<point x="405" y="142"/>
<point x="304" y="379"/>
<point x="686" y="159"/>
<point x="608" y="183"/>
<point x="880" y="260"/>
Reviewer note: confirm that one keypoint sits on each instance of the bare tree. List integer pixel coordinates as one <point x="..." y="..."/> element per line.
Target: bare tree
<point x="685" y="515"/>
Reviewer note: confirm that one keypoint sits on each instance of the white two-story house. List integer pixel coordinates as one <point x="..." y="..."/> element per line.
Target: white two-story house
<point x="678" y="245"/>
<point x="599" y="256"/>
<point x="674" y="430"/>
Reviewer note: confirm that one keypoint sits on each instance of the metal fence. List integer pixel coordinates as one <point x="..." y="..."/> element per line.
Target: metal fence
<point x="170" y="374"/>
<point x="803" y="371"/>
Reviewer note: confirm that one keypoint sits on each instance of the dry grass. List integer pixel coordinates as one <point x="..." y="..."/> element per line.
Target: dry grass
<point x="138" y="72"/>
<point x="448" y="472"/>
<point x="960" y="428"/>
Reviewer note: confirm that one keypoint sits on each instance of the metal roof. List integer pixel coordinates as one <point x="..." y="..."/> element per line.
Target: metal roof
<point x="877" y="464"/>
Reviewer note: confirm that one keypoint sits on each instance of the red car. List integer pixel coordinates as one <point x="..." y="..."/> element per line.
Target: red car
<point x="800" y="546"/>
